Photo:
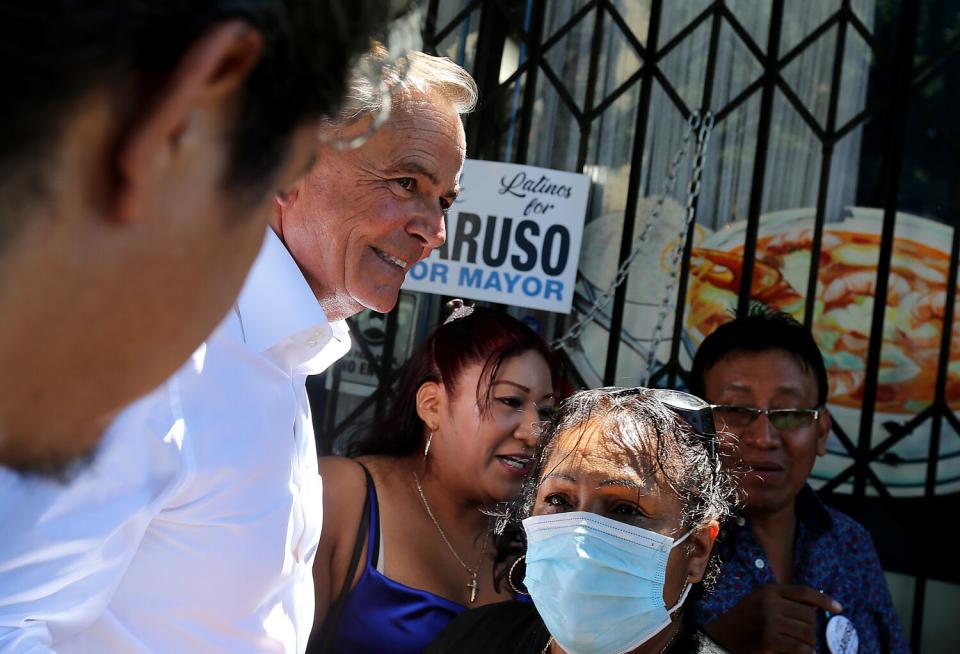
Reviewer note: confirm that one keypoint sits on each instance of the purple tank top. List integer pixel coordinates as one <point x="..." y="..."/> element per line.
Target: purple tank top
<point x="381" y="615"/>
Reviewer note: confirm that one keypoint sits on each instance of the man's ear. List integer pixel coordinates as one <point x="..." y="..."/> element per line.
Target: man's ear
<point x="823" y="431"/>
<point x="282" y="203"/>
<point x="431" y="398"/>
<point x="210" y="72"/>
<point x="288" y="198"/>
<point x="701" y="542"/>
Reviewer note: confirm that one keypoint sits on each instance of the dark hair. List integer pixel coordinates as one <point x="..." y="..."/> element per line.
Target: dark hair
<point x="56" y="52"/>
<point x="655" y="435"/>
<point x="761" y="330"/>
<point x="481" y="336"/>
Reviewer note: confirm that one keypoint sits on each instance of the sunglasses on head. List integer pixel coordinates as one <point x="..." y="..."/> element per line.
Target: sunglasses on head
<point x="738" y="417"/>
<point x="693" y="410"/>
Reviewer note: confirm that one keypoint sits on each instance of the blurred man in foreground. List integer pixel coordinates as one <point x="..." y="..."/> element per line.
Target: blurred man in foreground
<point x="197" y="528"/>
<point x="141" y="145"/>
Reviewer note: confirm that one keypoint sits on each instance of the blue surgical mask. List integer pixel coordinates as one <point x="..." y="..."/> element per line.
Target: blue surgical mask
<point x="598" y="583"/>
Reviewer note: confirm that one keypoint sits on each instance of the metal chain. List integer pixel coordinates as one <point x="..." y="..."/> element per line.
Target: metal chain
<point x="603" y="299"/>
<point x="443" y="535"/>
<point x="693" y="191"/>
<point x="702" y="128"/>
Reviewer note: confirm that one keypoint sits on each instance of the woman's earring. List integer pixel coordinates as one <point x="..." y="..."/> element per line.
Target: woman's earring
<point x="516" y="591"/>
<point x="426" y="448"/>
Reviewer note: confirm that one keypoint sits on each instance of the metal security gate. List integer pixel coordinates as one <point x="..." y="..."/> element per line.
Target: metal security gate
<point x="834" y="130"/>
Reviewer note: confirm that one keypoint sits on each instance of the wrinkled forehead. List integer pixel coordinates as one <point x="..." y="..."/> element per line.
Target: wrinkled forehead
<point x="602" y="446"/>
<point x="430" y="115"/>
<point x="769" y="369"/>
<point x="418" y="122"/>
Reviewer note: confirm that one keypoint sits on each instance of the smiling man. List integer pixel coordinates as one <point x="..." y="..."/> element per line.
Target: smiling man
<point x="196" y="529"/>
<point x="364" y="216"/>
<point x="794" y="573"/>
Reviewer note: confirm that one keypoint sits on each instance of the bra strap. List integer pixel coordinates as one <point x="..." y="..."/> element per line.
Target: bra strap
<point x="330" y="625"/>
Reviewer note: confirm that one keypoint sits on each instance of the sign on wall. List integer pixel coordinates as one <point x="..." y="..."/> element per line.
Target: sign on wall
<point x="357" y="376"/>
<point x="513" y="237"/>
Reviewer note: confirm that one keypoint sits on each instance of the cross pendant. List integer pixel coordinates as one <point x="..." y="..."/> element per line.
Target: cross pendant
<point x="473" y="589"/>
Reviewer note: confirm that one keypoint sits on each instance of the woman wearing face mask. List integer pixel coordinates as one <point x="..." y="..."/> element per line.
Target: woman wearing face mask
<point x="619" y="514"/>
<point x="406" y="543"/>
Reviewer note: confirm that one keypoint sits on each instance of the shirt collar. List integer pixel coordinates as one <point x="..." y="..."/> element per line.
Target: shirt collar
<point x="279" y="314"/>
<point x="809" y="508"/>
<point x="811" y="511"/>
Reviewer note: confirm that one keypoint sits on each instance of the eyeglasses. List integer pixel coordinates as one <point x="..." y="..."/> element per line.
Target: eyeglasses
<point x="738" y="417"/>
<point x="695" y="411"/>
<point x="404" y="35"/>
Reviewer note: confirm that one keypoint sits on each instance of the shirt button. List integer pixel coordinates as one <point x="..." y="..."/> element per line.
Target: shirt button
<point x="741" y="521"/>
<point x="760" y="564"/>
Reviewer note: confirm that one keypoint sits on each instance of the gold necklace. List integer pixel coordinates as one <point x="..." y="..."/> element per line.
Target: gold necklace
<point x="472" y="584"/>
<point x="670" y="642"/>
<point x="546" y="647"/>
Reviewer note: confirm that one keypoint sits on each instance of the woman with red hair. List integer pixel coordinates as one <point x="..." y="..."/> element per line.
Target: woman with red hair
<point x="407" y="542"/>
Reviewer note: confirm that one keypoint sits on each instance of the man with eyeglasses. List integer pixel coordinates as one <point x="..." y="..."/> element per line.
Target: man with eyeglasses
<point x="796" y="575"/>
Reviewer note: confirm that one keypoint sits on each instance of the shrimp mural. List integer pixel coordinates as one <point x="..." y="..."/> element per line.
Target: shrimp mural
<point x="845" y="296"/>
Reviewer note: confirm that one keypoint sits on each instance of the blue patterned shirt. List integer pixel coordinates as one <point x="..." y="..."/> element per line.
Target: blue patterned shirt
<point x="832" y="553"/>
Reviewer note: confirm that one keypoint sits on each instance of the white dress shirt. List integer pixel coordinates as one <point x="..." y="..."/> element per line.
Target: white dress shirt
<point x="196" y="528"/>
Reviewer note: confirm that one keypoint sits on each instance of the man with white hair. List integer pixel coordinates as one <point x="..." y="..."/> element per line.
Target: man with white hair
<point x="196" y="529"/>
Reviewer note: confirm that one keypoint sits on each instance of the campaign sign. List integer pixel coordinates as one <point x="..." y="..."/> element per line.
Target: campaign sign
<point x="513" y="237"/>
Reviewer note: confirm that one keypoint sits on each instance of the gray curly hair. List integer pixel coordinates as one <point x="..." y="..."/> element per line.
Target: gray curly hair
<point x="643" y="426"/>
<point x="652" y="433"/>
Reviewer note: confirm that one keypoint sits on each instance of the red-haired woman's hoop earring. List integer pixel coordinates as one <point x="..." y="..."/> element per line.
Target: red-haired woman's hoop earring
<point x="516" y="591"/>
